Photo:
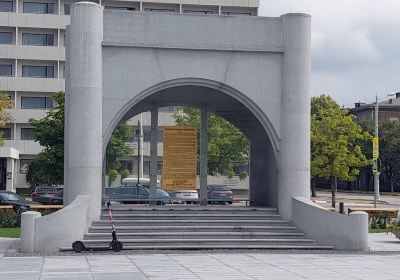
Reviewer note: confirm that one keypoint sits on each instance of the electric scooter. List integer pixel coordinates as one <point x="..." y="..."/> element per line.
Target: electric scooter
<point x="115" y="245"/>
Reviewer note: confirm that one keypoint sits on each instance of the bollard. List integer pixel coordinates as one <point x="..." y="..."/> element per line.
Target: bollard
<point x="28" y="231"/>
<point x="341" y="208"/>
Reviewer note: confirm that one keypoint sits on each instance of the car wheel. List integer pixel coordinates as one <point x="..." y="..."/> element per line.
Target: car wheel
<point x="78" y="246"/>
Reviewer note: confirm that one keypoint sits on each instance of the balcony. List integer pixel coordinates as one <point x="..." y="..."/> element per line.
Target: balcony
<point x="34" y="20"/>
<point x="32" y="52"/>
<point x="25" y="147"/>
<point x="31" y="84"/>
<point x="23" y="115"/>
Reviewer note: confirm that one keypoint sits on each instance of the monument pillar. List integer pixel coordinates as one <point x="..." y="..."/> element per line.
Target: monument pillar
<point x="203" y="155"/>
<point x="153" y="153"/>
<point x="83" y="119"/>
<point x="294" y="158"/>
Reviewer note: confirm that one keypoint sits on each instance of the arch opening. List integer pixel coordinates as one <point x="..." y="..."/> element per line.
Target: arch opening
<point x="232" y="106"/>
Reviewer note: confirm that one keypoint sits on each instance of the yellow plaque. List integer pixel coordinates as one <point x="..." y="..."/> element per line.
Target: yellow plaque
<point x="179" y="158"/>
<point x="375" y="148"/>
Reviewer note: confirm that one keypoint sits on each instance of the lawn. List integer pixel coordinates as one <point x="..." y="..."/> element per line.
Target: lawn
<point x="10" y="232"/>
<point x="377" y="230"/>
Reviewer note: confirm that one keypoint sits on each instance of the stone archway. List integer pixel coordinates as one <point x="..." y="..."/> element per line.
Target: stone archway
<point x="114" y="68"/>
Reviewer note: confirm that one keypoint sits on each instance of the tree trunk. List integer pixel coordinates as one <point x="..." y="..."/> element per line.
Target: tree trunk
<point x="333" y="190"/>
<point x="392" y="182"/>
<point x="313" y="190"/>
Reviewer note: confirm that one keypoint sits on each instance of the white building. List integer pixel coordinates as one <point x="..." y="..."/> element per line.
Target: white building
<point x="32" y="57"/>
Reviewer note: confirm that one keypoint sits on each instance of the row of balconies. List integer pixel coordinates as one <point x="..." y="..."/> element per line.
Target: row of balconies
<point x="32" y="52"/>
<point x="58" y="17"/>
<point x="31" y="84"/>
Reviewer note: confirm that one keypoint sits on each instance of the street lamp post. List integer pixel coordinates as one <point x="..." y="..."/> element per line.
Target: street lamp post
<point x="376" y="153"/>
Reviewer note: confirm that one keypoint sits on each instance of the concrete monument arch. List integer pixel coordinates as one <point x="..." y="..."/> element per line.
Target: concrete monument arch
<point x="116" y="58"/>
<point x="254" y="71"/>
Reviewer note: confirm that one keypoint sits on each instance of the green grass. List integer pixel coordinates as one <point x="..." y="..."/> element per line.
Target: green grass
<point x="377" y="230"/>
<point x="10" y="232"/>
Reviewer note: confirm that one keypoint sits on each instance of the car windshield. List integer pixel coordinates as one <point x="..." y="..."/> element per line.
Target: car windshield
<point x="46" y="190"/>
<point x="220" y="188"/>
<point x="11" y="196"/>
<point x="161" y="193"/>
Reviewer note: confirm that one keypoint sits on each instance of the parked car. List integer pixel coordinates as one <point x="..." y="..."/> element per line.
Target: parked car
<point x="48" y="195"/>
<point x="219" y="194"/>
<point x="186" y="196"/>
<point x="130" y="181"/>
<point x="135" y="194"/>
<point x="18" y="203"/>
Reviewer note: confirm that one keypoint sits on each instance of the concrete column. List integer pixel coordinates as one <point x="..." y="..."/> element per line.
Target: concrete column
<point x="28" y="218"/>
<point x="84" y="97"/>
<point x="153" y="152"/>
<point x="10" y="170"/>
<point x="203" y="156"/>
<point x="294" y="158"/>
<point x="66" y="115"/>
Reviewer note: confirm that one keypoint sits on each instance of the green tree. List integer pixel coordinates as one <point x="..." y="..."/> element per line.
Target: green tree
<point x="226" y="143"/>
<point x="389" y="135"/>
<point x="48" y="166"/>
<point x="335" y="137"/>
<point x="5" y="117"/>
<point x="117" y="147"/>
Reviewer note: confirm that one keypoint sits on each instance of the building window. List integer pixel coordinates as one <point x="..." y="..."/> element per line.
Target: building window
<point x="5" y="69"/>
<point x="38" y="71"/>
<point x="160" y="10"/>
<point x="23" y="165"/>
<point x="36" y="102"/>
<point x="236" y="14"/>
<point x="120" y="8"/>
<point x="6" y="37"/>
<point x="38" y="39"/>
<point x="27" y="134"/>
<point x="6" y="131"/>
<point x="147" y="136"/>
<point x="39" y="8"/>
<point x="126" y="164"/>
<point x="198" y="12"/>
<point x="67" y="9"/>
<point x="6" y="6"/>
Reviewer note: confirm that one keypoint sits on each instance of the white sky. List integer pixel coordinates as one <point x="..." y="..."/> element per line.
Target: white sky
<point x="356" y="45"/>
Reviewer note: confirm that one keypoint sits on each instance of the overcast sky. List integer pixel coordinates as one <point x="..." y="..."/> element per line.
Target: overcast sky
<point x="356" y="45"/>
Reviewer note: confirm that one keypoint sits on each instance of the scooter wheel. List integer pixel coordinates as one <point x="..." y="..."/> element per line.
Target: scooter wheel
<point x="116" y="246"/>
<point x="78" y="246"/>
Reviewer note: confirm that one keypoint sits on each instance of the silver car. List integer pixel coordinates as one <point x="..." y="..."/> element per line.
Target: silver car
<point x="188" y="196"/>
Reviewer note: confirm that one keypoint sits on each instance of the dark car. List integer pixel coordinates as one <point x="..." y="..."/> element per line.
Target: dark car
<point x="219" y="194"/>
<point x="134" y="194"/>
<point x="18" y="203"/>
<point x="48" y="195"/>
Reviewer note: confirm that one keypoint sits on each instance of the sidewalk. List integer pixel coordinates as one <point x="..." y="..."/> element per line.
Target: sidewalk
<point x="207" y="265"/>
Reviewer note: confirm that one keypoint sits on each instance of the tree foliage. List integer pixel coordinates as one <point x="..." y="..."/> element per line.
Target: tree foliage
<point x="48" y="166"/>
<point x="117" y="147"/>
<point x="389" y="135"/>
<point x="5" y="117"/>
<point x="226" y="143"/>
<point x="335" y="137"/>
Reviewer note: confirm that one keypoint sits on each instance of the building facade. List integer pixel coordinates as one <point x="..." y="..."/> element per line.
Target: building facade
<point x="32" y="66"/>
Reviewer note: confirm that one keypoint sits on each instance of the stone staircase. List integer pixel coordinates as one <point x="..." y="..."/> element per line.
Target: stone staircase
<point x="185" y="227"/>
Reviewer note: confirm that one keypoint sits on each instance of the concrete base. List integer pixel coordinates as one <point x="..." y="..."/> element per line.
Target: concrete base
<point x="61" y="228"/>
<point x="28" y="220"/>
<point x="329" y="228"/>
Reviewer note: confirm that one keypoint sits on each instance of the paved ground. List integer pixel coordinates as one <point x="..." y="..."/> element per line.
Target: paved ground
<point x="360" y="199"/>
<point x="202" y="265"/>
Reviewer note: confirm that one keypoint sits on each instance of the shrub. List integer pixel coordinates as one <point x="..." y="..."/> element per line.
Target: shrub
<point x="10" y="220"/>
<point x="379" y="221"/>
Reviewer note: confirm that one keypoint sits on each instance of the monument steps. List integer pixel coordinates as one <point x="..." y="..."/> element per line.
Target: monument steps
<point x="196" y="228"/>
